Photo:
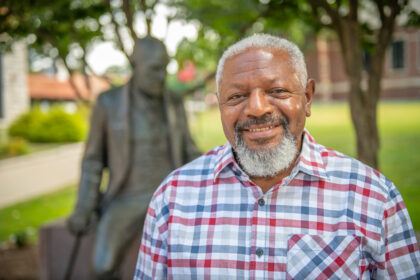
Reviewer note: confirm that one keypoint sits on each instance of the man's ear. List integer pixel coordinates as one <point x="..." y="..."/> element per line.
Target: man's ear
<point x="309" y="93"/>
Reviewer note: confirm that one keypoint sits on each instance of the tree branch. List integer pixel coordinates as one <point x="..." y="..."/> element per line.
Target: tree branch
<point x="316" y="15"/>
<point x="383" y="39"/>
<point x="85" y="74"/>
<point x="147" y="17"/>
<point x="353" y="10"/>
<point x="129" y="16"/>
<point x="333" y="14"/>
<point x="380" y="6"/>
<point x="120" y="43"/>
<point x="72" y="82"/>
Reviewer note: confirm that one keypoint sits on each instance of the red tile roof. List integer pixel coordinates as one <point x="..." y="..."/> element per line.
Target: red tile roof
<point x="43" y="86"/>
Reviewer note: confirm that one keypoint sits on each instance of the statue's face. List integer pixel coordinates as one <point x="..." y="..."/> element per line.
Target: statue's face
<point x="149" y="71"/>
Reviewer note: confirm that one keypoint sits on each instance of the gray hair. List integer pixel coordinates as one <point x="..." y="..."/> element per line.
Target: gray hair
<point x="265" y="41"/>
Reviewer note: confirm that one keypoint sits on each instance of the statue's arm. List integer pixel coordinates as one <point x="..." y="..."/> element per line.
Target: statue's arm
<point x="93" y="162"/>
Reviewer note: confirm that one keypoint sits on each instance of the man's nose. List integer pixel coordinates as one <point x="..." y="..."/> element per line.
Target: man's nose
<point x="258" y="104"/>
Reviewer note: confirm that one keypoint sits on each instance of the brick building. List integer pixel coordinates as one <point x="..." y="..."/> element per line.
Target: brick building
<point x="14" y="97"/>
<point x="401" y="69"/>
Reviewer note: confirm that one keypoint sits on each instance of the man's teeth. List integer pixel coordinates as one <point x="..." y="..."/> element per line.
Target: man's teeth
<point x="260" y="129"/>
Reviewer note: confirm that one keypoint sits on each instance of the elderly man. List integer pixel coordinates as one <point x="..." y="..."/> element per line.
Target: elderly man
<point x="139" y="133"/>
<point x="272" y="203"/>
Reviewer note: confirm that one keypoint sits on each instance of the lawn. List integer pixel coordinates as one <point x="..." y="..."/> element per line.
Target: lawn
<point x="26" y="217"/>
<point x="399" y="126"/>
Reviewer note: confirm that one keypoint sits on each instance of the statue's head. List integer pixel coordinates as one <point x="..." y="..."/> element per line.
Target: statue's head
<point x="149" y="61"/>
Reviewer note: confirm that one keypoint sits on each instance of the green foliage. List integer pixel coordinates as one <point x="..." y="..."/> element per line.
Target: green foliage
<point x="28" y="216"/>
<point x="54" y="126"/>
<point x="15" y="147"/>
<point x="20" y="238"/>
<point x="223" y="23"/>
<point x="204" y="51"/>
<point x="62" y="29"/>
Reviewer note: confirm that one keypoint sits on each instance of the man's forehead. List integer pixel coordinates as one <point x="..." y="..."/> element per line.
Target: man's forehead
<point x="258" y="53"/>
<point x="261" y="56"/>
<point x="256" y="58"/>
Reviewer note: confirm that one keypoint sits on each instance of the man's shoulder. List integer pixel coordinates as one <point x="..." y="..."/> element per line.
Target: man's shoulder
<point x="340" y="166"/>
<point x="193" y="173"/>
<point x="203" y="165"/>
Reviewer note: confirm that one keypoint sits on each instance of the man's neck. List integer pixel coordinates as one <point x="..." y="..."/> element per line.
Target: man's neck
<point x="266" y="183"/>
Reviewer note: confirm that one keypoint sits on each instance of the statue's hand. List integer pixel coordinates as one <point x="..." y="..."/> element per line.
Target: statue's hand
<point x="80" y="222"/>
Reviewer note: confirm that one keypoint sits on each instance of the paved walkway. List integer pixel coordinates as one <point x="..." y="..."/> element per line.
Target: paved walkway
<point x="29" y="176"/>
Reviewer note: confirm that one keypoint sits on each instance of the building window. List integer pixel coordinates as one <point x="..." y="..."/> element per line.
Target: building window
<point x="397" y="54"/>
<point x="366" y="60"/>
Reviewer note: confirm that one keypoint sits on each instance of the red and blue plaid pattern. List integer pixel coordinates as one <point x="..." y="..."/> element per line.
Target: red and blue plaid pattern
<point x="315" y="257"/>
<point x="331" y="218"/>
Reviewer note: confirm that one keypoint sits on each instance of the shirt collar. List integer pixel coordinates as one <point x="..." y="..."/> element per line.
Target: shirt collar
<point x="224" y="157"/>
<point x="310" y="160"/>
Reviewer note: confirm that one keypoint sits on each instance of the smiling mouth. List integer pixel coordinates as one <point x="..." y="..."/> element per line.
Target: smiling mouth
<point x="261" y="129"/>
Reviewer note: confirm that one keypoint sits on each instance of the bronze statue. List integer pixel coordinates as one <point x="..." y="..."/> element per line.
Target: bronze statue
<point x="139" y="134"/>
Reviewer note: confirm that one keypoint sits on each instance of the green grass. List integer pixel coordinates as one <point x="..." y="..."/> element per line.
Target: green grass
<point x="28" y="216"/>
<point x="399" y="126"/>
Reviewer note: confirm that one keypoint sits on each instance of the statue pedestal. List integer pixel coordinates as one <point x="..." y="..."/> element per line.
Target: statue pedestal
<point x="55" y="247"/>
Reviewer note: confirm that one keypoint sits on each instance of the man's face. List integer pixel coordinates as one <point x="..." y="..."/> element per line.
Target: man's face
<point x="150" y="72"/>
<point x="261" y="96"/>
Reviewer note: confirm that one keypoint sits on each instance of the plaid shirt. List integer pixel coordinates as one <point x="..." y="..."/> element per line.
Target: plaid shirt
<point x="331" y="218"/>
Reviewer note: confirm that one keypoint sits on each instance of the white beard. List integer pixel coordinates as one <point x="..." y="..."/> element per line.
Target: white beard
<point x="266" y="162"/>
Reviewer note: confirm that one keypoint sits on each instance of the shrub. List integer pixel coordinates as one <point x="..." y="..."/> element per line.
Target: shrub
<point x="14" y="147"/>
<point x="19" y="239"/>
<point x="54" y="126"/>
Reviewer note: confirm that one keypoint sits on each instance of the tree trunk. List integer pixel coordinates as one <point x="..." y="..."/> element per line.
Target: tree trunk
<point x="363" y="114"/>
<point x="363" y="104"/>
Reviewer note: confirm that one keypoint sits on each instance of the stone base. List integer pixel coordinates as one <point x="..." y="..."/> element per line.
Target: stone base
<point x="55" y="247"/>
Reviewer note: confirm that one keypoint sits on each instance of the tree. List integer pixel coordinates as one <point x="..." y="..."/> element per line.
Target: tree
<point x="355" y="37"/>
<point x="61" y="29"/>
<point x="123" y="15"/>
<point x="67" y="29"/>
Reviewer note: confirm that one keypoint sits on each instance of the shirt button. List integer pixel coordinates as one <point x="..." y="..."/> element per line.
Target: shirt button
<point x="259" y="252"/>
<point x="261" y="202"/>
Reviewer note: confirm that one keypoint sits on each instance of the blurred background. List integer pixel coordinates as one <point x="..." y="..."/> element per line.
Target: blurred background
<point x="56" y="57"/>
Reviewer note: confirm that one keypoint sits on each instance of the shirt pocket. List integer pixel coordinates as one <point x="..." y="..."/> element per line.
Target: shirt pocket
<point x="323" y="257"/>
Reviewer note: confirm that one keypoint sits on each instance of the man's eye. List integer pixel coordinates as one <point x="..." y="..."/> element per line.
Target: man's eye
<point x="236" y="96"/>
<point x="277" y="91"/>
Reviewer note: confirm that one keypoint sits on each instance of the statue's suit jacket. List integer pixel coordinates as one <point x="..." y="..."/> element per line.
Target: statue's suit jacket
<point x="108" y="145"/>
